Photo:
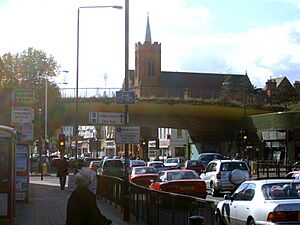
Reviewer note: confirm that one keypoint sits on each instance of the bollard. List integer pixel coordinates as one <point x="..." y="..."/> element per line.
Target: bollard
<point x="44" y="168"/>
<point x="196" y="220"/>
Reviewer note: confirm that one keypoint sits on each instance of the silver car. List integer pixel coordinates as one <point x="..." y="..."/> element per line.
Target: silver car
<point x="269" y="202"/>
<point x="225" y="175"/>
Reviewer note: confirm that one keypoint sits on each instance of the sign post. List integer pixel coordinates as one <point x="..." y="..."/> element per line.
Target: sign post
<point x="127" y="135"/>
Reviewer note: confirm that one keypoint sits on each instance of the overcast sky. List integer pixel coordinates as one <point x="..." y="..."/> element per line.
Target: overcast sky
<point x="261" y="37"/>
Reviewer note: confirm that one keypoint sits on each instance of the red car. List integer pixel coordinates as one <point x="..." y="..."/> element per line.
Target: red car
<point x="196" y="165"/>
<point x="185" y="182"/>
<point x="142" y="175"/>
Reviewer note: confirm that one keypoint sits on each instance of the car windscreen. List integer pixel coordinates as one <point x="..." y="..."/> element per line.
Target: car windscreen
<point x="209" y="157"/>
<point x="195" y="163"/>
<point x="229" y="166"/>
<point x="137" y="163"/>
<point x="182" y="175"/>
<point x="145" y="170"/>
<point x="113" y="163"/>
<point x="281" y="191"/>
<point x="156" y="165"/>
<point x="172" y="161"/>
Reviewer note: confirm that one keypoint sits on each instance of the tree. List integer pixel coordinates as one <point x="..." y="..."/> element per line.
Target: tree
<point x="28" y="70"/>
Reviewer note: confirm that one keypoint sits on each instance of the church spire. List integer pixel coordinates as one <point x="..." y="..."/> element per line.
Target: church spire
<point x="148" y="31"/>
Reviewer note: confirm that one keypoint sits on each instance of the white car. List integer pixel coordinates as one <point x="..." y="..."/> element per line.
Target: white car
<point x="268" y="201"/>
<point x="225" y="175"/>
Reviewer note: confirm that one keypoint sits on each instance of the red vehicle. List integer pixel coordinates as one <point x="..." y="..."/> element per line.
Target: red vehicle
<point x="142" y="175"/>
<point x="196" y="165"/>
<point x="185" y="182"/>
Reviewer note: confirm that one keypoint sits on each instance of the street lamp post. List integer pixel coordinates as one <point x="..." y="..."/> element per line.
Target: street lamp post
<point x="46" y="110"/>
<point x="77" y="68"/>
<point x="126" y="212"/>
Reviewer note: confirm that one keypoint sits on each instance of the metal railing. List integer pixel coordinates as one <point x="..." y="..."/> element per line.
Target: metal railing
<point x="271" y="169"/>
<point x="237" y="97"/>
<point x="155" y="207"/>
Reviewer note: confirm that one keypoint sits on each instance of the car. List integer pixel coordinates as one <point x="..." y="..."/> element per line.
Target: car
<point x="293" y="175"/>
<point x="185" y="182"/>
<point x="87" y="160"/>
<point x="225" y="175"/>
<point x="266" y="201"/>
<point x="174" y="163"/>
<point x="111" y="167"/>
<point x="137" y="162"/>
<point x="158" y="165"/>
<point x="142" y="175"/>
<point x="94" y="164"/>
<point x="196" y="165"/>
<point x="206" y="157"/>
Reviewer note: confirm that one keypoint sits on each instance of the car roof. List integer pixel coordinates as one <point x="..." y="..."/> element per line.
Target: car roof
<point x="110" y="159"/>
<point x="210" y="153"/>
<point x="182" y="170"/>
<point x="228" y="160"/>
<point x="272" y="181"/>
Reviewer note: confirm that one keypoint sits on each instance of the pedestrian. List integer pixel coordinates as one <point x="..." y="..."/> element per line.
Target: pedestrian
<point x="62" y="172"/>
<point x="82" y="206"/>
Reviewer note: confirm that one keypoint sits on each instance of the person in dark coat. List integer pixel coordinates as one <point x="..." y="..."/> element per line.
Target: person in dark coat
<point x="82" y="206"/>
<point x="62" y="172"/>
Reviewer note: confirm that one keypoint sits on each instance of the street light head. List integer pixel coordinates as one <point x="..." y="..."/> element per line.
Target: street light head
<point x="64" y="71"/>
<point x="117" y="7"/>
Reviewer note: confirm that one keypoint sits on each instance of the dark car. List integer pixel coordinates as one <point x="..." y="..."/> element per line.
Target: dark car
<point x="111" y="167"/>
<point x="206" y="157"/>
<point x="195" y="165"/>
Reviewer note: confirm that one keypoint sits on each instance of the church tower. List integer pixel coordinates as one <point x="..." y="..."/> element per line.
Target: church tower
<point x="147" y="65"/>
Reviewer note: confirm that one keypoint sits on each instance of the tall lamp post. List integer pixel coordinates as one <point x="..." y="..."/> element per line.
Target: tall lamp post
<point x="46" y="109"/>
<point x="77" y="66"/>
<point x="126" y="213"/>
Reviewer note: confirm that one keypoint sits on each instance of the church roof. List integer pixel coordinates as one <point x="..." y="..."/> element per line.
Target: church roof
<point x="205" y="81"/>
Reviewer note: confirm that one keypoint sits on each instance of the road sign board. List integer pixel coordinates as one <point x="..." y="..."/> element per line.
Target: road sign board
<point x="127" y="135"/>
<point x="106" y="118"/>
<point x="125" y="97"/>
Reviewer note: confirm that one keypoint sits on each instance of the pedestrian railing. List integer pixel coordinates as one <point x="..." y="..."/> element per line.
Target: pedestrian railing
<point x="155" y="207"/>
<point x="271" y="169"/>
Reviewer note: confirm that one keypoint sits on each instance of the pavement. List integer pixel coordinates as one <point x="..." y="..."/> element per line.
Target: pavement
<point x="47" y="205"/>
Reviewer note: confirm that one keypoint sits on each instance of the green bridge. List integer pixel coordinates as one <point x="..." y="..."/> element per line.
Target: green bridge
<point x="200" y="118"/>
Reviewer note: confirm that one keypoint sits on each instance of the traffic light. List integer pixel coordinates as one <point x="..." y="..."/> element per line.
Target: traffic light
<point x="244" y="137"/>
<point x="61" y="141"/>
<point x="143" y="142"/>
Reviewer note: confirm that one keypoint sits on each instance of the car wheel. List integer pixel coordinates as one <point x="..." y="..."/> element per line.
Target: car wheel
<point x="252" y="222"/>
<point x="237" y="177"/>
<point x="213" y="191"/>
<point x="219" y="220"/>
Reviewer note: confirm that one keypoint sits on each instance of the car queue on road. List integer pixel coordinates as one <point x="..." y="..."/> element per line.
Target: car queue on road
<point x="221" y="177"/>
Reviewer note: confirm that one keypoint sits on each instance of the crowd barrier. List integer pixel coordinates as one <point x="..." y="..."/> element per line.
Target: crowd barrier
<point x="155" y="207"/>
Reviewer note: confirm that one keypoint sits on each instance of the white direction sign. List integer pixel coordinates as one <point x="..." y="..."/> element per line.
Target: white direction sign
<point x="106" y="118"/>
<point x="127" y="135"/>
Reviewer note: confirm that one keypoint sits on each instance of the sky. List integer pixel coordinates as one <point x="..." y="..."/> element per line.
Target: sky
<point x="260" y="37"/>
